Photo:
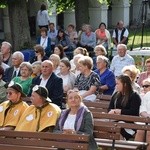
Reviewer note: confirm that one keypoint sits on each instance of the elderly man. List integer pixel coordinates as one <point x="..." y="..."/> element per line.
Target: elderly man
<point x="6" y="52"/>
<point x="121" y="60"/>
<point x="120" y="34"/>
<point x="42" y="115"/>
<point x="14" y="70"/>
<point x="53" y="83"/>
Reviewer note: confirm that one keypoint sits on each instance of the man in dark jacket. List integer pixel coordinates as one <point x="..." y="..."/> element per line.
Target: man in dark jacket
<point x="52" y="82"/>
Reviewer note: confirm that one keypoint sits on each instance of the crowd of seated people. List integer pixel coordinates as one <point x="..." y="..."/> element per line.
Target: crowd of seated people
<point x="52" y="72"/>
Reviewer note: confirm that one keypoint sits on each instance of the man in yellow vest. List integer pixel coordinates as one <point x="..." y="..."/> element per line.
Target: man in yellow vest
<point x="42" y="115"/>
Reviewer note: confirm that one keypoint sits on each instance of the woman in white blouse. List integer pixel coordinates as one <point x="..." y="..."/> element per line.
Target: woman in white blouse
<point x="67" y="76"/>
<point x="76" y="119"/>
<point x="144" y="111"/>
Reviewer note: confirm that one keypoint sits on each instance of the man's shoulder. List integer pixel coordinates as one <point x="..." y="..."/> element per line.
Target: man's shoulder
<point x="9" y="69"/>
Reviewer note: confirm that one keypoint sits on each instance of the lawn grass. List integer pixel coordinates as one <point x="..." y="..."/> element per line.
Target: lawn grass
<point x="138" y="37"/>
<point x="137" y="44"/>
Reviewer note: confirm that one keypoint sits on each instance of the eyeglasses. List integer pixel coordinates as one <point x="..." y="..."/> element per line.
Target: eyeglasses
<point x="146" y="86"/>
<point x="10" y="93"/>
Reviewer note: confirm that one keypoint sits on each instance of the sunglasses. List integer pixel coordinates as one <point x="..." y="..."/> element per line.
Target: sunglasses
<point x="146" y="86"/>
<point x="10" y="93"/>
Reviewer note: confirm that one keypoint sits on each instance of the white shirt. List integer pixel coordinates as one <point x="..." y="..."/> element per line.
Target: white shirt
<point x="17" y="71"/>
<point x="119" y="62"/>
<point x="43" y="42"/>
<point x="4" y="66"/>
<point x="70" y="122"/>
<point x="126" y="33"/>
<point x="43" y="81"/>
<point x="145" y="103"/>
<point x="65" y="79"/>
<point x="42" y="18"/>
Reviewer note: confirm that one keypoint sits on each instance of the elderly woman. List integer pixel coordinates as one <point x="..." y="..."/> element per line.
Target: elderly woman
<point x="144" y="111"/>
<point x="78" y="50"/>
<point x="76" y="69"/>
<point x="87" y="82"/>
<point x="67" y="76"/>
<point x="39" y="54"/>
<point x="76" y="119"/>
<point x="42" y="115"/>
<point x="12" y="109"/>
<point x="88" y="39"/>
<point x="106" y="76"/>
<point x="125" y="101"/>
<point x="99" y="50"/>
<point x="55" y="59"/>
<point x="36" y="69"/>
<point x="132" y="72"/>
<point x="25" y="80"/>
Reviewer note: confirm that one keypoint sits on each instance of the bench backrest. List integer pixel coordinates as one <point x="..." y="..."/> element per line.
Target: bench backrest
<point x="102" y="97"/>
<point x="108" y="131"/>
<point x="16" y="140"/>
<point x="97" y="106"/>
<point x="124" y="121"/>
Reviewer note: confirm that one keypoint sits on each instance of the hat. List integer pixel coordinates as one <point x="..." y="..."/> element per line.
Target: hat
<point x="42" y="91"/>
<point x="17" y="87"/>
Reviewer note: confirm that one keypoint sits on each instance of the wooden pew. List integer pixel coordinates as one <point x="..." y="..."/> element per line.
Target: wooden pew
<point x="111" y="132"/>
<point x="16" y="140"/>
<point x="101" y="106"/>
<point x="113" y="120"/>
<point x="102" y="97"/>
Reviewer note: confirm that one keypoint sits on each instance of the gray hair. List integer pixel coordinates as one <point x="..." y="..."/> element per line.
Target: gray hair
<point x="26" y="64"/>
<point x="7" y="43"/>
<point x="18" y="54"/>
<point x="105" y="59"/>
<point x="123" y="46"/>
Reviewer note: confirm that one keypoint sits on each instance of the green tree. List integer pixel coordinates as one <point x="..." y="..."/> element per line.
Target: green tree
<point x="81" y="8"/>
<point x="19" y="25"/>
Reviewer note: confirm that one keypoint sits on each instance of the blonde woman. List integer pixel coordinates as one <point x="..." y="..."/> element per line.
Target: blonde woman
<point x="76" y="119"/>
<point x="55" y="59"/>
<point x="87" y="82"/>
<point x="132" y="72"/>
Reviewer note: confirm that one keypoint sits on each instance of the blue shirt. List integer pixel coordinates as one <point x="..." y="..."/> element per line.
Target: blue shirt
<point x="107" y="78"/>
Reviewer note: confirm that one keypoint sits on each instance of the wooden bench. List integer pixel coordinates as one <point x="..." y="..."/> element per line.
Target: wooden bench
<point x="113" y="120"/>
<point x="111" y="132"/>
<point x="16" y="140"/>
<point x="101" y="106"/>
<point x="102" y="97"/>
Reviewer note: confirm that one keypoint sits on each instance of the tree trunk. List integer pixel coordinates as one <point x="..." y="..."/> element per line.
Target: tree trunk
<point x="19" y="25"/>
<point x="81" y="13"/>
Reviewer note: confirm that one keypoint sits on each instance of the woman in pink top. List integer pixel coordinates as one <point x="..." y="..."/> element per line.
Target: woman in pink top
<point x="103" y="36"/>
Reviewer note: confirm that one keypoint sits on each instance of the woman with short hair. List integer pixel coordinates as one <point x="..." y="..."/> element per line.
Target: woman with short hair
<point x="106" y="76"/>
<point x="87" y="82"/>
<point x="44" y="41"/>
<point x="25" y="80"/>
